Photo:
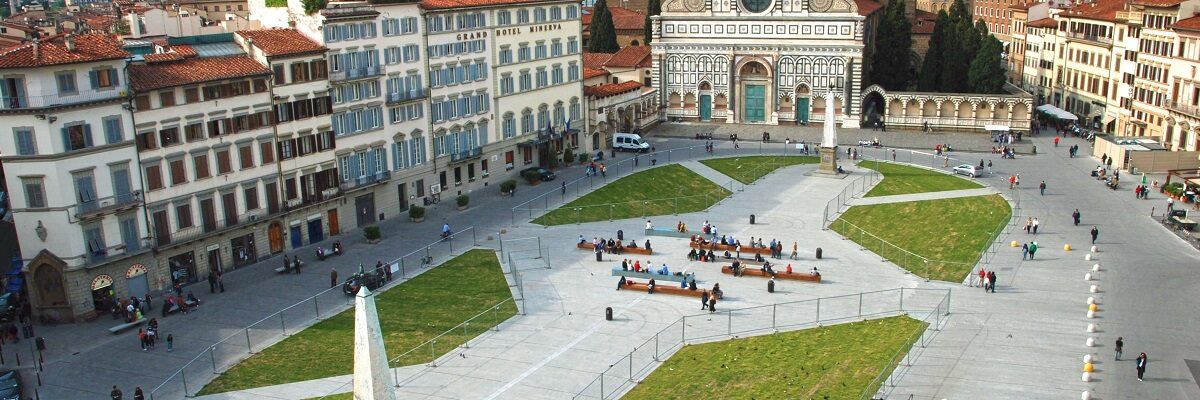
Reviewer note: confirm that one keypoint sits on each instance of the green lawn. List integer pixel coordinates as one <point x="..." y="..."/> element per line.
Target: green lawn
<point x="645" y="193"/>
<point x="277" y="3"/>
<point x="409" y="314"/>
<point x="833" y="362"/>
<point x="749" y="169"/>
<point x="903" y="179"/>
<point x="953" y="231"/>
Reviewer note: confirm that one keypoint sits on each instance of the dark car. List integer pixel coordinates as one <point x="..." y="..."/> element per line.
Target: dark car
<point x="10" y="386"/>
<point x="542" y="173"/>
<point x="372" y="280"/>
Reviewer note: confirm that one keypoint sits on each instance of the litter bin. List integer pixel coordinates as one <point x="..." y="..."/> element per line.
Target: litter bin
<point x="818" y="253"/>
<point x="608" y="313"/>
<point x="599" y="257"/>
<point x="771" y="286"/>
<point x="751" y="219"/>
<point x="620" y="234"/>
<point x="41" y="343"/>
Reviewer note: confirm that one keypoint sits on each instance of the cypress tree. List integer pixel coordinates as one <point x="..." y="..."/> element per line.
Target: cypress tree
<point x="603" y="36"/>
<point x="652" y="9"/>
<point x="891" y="63"/>
<point x="987" y="74"/>
<point x="931" y="66"/>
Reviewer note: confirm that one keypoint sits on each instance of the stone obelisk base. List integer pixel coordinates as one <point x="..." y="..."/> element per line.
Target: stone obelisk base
<point x="828" y="161"/>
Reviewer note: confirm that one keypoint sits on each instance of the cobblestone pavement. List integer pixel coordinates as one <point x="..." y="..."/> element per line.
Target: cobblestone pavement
<point x="749" y="134"/>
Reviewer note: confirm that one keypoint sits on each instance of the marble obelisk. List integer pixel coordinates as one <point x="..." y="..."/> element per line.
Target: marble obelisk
<point x="372" y="379"/>
<point x="829" y="140"/>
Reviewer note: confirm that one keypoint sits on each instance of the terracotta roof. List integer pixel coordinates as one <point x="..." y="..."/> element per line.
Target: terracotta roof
<point x="282" y="42"/>
<point x="184" y="50"/>
<point x="160" y="57"/>
<point x="628" y="57"/>
<point x="611" y="89"/>
<point x="192" y="70"/>
<point x="1043" y="23"/>
<point x="20" y="27"/>
<point x="1188" y="24"/>
<point x="867" y="7"/>
<point x="623" y="18"/>
<point x="1157" y="3"/>
<point x="923" y="22"/>
<point x="1024" y="6"/>
<point x="445" y="4"/>
<point x="596" y="60"/>
<point x="53" y="51"/>
<point x="1103" y="10"/>
<point x="589" y="73"/>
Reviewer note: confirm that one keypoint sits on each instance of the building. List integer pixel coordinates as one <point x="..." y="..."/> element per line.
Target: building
<point x="212" y="10"/>
<point x="72" y="172"/>
<point x="1088" y="69"/>
<point x="761" y="61"/>
<point x="1183" y="110"/>
<point x="997" y="14"/>
<point x="629" y="25"/>
<point x="619" y="93"/>
<point x="158" y="22"/>
<point x="1039" y="57"/>
<point x="1157" y="47"/>
<point x="922" y="24"/>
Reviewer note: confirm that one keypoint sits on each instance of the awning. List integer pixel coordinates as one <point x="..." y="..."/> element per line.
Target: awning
<point x="1066" y="116"/>
<point x="1107" y="119"/>
<point x="997" y="128"/>
<point x="1045" y="107"/>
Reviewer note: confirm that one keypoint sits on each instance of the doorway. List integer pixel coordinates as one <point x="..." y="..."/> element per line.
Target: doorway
<point x="214" y="259"/>
<point x="136" y="278"/>
<point x="297" y="239"/>
<point x="103" y="297"/>
<point x="802" y="109"/>
<point x="365" y="209"/>
<point x="402" y="194"/>
<point x="754" y="104"/>
<point x="275" y="236"/>
<point x="315" y="233"/>
<point x="705" y="107"/>
<point x="334" y="227"/>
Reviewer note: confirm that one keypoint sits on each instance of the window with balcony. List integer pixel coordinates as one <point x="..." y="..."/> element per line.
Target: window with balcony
<point x="93" y="236"/>
<point x="183" y="215"/>
<point x="66" y="83"/>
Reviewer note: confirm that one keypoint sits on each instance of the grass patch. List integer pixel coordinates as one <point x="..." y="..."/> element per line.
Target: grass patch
<point x="953" y="231"/>
<point x="650" y="192"/>
<point x="410" y="314"/>
<point x="903" y="179"/>
<point x="749" y="169"/>
<point x="833" y="362"/>
<point x="277" y="3"/>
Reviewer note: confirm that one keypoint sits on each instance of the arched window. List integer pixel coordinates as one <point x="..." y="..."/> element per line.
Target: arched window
<point x="543" y="117"/>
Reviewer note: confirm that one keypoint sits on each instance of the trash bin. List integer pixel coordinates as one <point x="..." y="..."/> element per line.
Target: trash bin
<point x="818" y="253"/>
<point x="771" y="286"/>
<point x="620" y="234"/>
<point x="41" y="343"/>
<point x="608" y="313"/>
<point x="599" y="257"/>
<point x="751" y="219"/>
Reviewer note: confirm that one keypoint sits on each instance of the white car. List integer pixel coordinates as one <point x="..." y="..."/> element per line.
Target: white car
<point x="967" y="169"/>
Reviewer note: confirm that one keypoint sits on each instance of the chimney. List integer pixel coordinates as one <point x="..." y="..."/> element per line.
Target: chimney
<point x="70" y="41"/>
<point x="37" y="49"/>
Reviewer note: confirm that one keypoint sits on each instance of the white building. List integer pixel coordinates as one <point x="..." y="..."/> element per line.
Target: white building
<point x="1184" y="108"/>
<point x="762" y="61"/>
<point x="158" y="22"/>
<point x="71" y="168"/>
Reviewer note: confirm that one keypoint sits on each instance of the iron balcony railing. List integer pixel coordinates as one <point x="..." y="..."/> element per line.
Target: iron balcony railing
<point x="95" y="207"/>
<point x="1182" y="108"/>
<point x="403" y="96"/>
<point x="1090" y="37"/>
<point x="366" y="180"/>
<point x="466" y="155"/>
<point x="55" y="100"/>
<point x="355" y="73"/>
<point x="219" y="223"/>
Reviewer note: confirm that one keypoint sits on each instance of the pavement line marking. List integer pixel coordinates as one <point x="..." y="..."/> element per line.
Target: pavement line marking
<point x="568" y="346"/>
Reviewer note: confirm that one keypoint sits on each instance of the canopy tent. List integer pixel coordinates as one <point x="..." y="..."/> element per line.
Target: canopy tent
<point x="1064" y="115"/>
<point x="996" y="128"/>
<point x="1056" y="112"/>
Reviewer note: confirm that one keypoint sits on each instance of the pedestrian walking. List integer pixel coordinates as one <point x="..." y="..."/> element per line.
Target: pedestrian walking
<point x="1042" y="187"/>
<point x="1141" y="366"/>
<point x="115" y="394"/>
<point x="795" y="254"/>
<point x="982" y="279"/>
<point x="704" y="300"/>
<point x="1028" y="225"/>
<point x="221" y="281"/>
<point x="1035" y="225"/>
<point x="1017" y="180"/>
<point x="893" y="154"/>
<point x="170" y="342"/>
<point x="1170" y="205"/>
<point x="1095" y="233"/>
<point x="1075" y="216"/>
<point x="332" y="277"/>
<point x="1012" y="181"/>
<point x="142" y="338"/>
<point x="1024" y="251"/>
<point x="712" y="303"/>
<point x="1033" y="246"/>
<point x="564" y="188"/>
<point x="1056" y="141"/>
<point x="212" y="282"/>
<point x="1119" y="347"/>
<point x="992" y="281"/>
<point x="989" y="168"/>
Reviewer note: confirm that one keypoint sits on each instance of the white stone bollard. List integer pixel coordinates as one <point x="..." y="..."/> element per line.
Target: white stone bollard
<point x="1087" y="376"/>
<point x="1086" y="395"/>
<point x="1087" y="257"/>
<point x="1095" y="249"/>
<point x="1091" y="314"/>
<point x="1096" y="268"/>
<point x="1091" y="342"/>
<point x="1095" y="289"/>
<point x="1087" y="358"/>
<point x="1091" y="300"/>
<point x="1087" y="276"/>
<point x="1091" y="328"/>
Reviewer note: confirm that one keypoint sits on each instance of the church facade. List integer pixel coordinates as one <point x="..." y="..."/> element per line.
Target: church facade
<point x="762" y="61"/>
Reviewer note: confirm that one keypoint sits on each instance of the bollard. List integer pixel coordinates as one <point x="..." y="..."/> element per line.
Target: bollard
<point x="1086" y="395"/>
<point x="1087" y="376"/>
<point x="1096" y="268"/>
<point x="1087" y="358"/>
<point x="1091" y="342"/>
<point x="1087" y="276"/>
<point x="818" y="253"/>
<point x="1087" y="257"/>
<point x="1093" y="307"/>
<point x="1095" y="289"/>
<point x="1088" y="367"/>
<point x="1091" y="300"/>
<point x="1091" y="314"/>
<point x="771" y="286"/>
<point x="608" y="314"/>
<point x="1091" y="328"/>
<point x="1014" y="244"/>
<point x="1094" y="248"/>
<point x="1066" y="247"/>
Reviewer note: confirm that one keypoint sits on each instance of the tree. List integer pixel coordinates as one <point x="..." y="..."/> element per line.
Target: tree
<point x="931" y="67"/>
<point x="312" y="6"/>
<point x="652" y="9"/>
<point x="603" y="36"/>
<point x="987" y="73"/>
<point x="892" y="66"/>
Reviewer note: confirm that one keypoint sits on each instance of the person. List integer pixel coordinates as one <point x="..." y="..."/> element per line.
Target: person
<point x="1033" y="246"/>
<point x="1042" y="187"/>
<point x="142" y="338"/>
<point x="1141" y="365"/>
<point x="982" y="279"/>
<point x="1024" y="251"/>
<point x="137" y="393"/>
<point x="649" y="225"/>
<point x="621" y="282"/>
<point x="564" y="188"/>
<point x="992" y="281"/>
<point x="650" y="286"/>
<point x="1035" y="225"/>
<point x="115" y="394"/>
<point x="1170" y="205"/>
<point x="637" y="266"/>
<point x="712" y="304"/>
<point x="736" y="267"/>
<point x="788" y="269"/>
<point x="212" y="282"/>
<point x="1095" y="233"/>
<point x="170" y="342"/>
<point x="332" y="277"/>
<point x="221" y="281"/>
<point x="445" y="230"/>
<point x="893" y="154"/>
<point x="795" y="254"/>
<point x="582" y="240"/>
<point x="1120" y="346"/>
<point x="704" y="300"/>
<point x="1075" y="216"/>
<point x="625" y="264"/>
<point x="989" y="167"/>
<point x="287" y="264"/>
<point x="1056" y="141"/>
<point x="716" y="292"/>
<point x="711" y="256"/>
<point x="1028" y="225"/>
<point x="297" y="262"/>
<point x="1012" y="180"/>
<point x="814" y="272"/>
<point x="648" y="244"/>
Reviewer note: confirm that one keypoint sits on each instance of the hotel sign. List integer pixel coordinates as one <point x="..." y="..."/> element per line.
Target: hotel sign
<point x="530" y="29"/>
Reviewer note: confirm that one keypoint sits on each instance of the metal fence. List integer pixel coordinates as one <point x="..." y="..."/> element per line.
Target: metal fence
<point x="427" y="352"/>
<point x="838" y="204"/>
<point x="930" y="305"/>
<point x="568" y="190"/>
<point x="245" y="342"/>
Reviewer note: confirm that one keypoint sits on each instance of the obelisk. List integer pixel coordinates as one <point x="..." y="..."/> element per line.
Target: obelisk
<point x="829" y="140"/>
<point x="372" y="380"/>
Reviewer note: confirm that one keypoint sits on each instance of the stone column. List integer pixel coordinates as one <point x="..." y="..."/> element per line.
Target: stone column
<point x="372" y="379"/>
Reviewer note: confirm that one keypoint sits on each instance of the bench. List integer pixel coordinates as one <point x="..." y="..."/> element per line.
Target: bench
<point x="282" y="270"/>
<point x="660" y="288"/>
<point x="126" y="326"/>
<point x="720" y="248"/>
<point x="669" y="233"/>
<point x="803" y="276"/>
<point x="690" y="277"/>
<point x="632" y="250"/>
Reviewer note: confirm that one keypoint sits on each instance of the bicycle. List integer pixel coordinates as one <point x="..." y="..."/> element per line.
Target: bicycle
<point x="426" y="261"/>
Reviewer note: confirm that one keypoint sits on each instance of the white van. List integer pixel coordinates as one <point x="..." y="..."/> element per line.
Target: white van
<point x="629" y="142"/>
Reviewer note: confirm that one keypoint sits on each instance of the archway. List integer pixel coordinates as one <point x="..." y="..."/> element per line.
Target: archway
<point x="874" y="109"/>
<point x="754" y="80"/>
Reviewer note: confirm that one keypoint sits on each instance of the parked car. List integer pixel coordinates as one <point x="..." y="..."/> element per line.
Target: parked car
<point x="967" y="169"/>
<point x="8" y="310"/>
<point x="542" y="173"/>
<point x="630" y="142"/>
<point x="371" y="279"/>
<point x="10" y="386"/>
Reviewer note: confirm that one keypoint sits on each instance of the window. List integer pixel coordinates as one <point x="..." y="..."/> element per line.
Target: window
<point x="183" y="215"/>
<point x="508" y="126"/>
<point x="200" y="165"/>
<point x="178" y="174"/>
<point x="523" y="52"/>
<point x="93" y="235"/>
<point x="539" y="14"/>
<point x="572" y="45"/>
<point x="540" y="50"/>
<point x="267" y="149"/>
<point x="112" y="130"/>
<point x="192" y="95"/>
<point x="523" y="16"/>
<point x="35" y="192"/>
<point x="576" y="112"/>
<point x="66" y="83"/>
<point x="572" y="12"/>
<point x="103" y="78"/>
<point x="526" y="121"/>
<point x="573" y="72"/>
<point x="555" y="13"/>
<point x="166" y="98"/>
<point x="154" y="177"/>
<point x="169" y="136"/>
<point x="556" y="48"/>
<point x="506" y="84"/>
<point x="526" y="80"/>
<point x="504" y="17"/>
<point x="224" y="165"/>
<point x="77" y="137"/>
<point x="542" y="81"/>
<point x="251" y="194"/>
<point x="26" y="146"/>
<point x="142" y="102"/>
<point x="246" y="157"/>
<point x="193" y="131"/>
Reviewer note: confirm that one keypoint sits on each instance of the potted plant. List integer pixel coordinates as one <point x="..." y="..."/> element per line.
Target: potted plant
<point x="531" y="176"/>
<point x="584" y="157"/>
<point x="568" y="157"/>
<point x="507" y="187"/>
<point x="372" y="234"/>
<point x="462" y="201"/>
<point x="416" y="213"/>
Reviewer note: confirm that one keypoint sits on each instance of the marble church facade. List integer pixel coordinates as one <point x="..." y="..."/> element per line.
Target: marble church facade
<point x="762" y="61"/>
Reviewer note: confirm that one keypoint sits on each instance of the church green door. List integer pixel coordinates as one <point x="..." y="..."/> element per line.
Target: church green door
<point x="802" y="110"/>
<point x="705" y="107"/>
<point x="754" y="103"/>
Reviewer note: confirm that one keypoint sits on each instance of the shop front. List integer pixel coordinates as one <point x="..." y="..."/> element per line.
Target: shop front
<point x="102" y="293"/>
<point x="243" y="250"/>
<point x="138" y="280"/>
<point x="183" y="268"/>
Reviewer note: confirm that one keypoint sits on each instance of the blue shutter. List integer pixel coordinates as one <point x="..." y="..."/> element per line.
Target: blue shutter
<point x="66" y="139"/>
<point x="87" y="135"/>
<point x="94" y="79"/>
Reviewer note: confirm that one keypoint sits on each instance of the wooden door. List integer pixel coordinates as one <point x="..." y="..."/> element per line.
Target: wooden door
<point x="208" y="214"/>
<point x="275" y="236"/>
<point x="334" y="229"/>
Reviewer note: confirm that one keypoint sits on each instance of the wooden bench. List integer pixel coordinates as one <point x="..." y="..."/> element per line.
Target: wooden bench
<point x="631" y="250"/>
<point x="669" y="233"/>
<point x="804" y="276"/>
<point x="660" y="288"/>
<point x="690" y="277"/>
<point x="126" y="326"/>
<point x="721" y="248"/>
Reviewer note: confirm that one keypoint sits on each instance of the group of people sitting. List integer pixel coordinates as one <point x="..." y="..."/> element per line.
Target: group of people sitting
<point x="709" y="229"/>
<point x="177" y="303"/>
<point x="612" y="246"/>
<point x="1005" y="152"/>
<point x="636" y="266"/>
<point x="681" y="227"/>
<point x="700" y="255"/>
<point x="336" y="251"/>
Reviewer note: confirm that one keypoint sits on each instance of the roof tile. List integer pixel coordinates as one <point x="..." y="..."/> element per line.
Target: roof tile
<point x="53" y="51"/>
<point x="867" y="7"/>
<point x="628" y="57"/>
<point x="589" y="73"/>
<point x="1188" y="24"/>
<point x="1103" y="10"/>
<point x="611" y="89"/>
<point x="623" y="18"/>
<point x="446" y="4"/>
<point x="282" y="42"/>
<point x="596" y="60"/>
<point x="192" y="70"/>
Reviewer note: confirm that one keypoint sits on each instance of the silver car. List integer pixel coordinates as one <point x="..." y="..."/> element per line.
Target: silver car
<point x="967" y="169"/>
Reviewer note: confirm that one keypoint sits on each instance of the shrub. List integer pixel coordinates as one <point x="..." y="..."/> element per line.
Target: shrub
<point x="508" y="186"/>
<point x="530" y="176"/>
<point x="312" y="6"/>
<point x="276" y="3"/>
<point x="568" y="157"/>
<point x="462" y="200"/>
<point x="372" y="232"/>
<point x="583" y="157"/>
<point x="416" y="211"/>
